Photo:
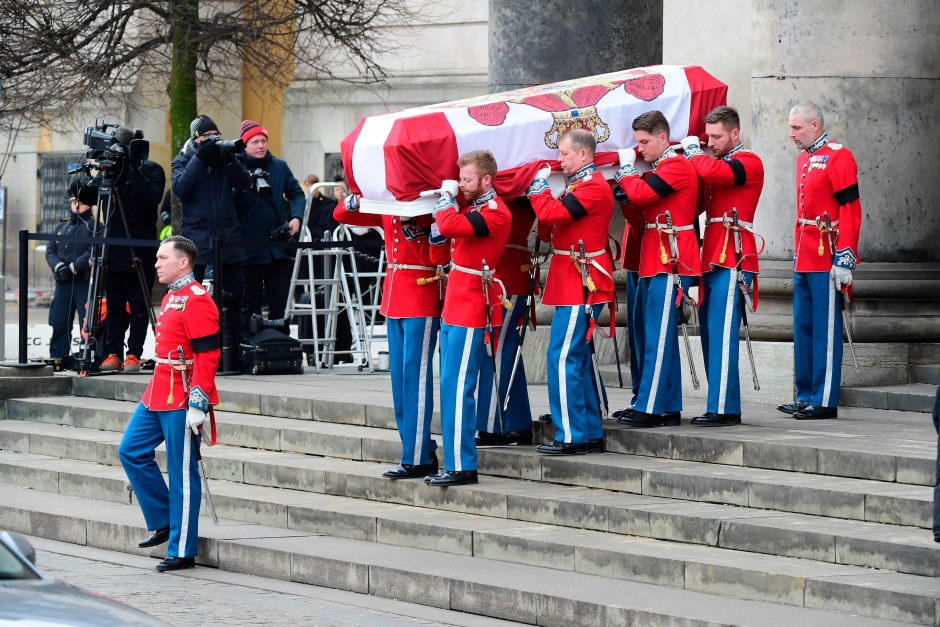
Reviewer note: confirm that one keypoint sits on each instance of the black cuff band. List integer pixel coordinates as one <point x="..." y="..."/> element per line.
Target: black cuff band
<point x="204" y="344"/>
<point x="478" y="222"/>
<point x="847" y="195"/>
<point x="661" y="187"/>
<point x="740" y="174"/>
<point x="574" y="206"/>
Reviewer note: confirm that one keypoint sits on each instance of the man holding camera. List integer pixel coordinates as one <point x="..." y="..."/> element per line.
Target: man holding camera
<point x="69" y="262"/>
<point x="129" y="272"/>
<point x="206" y="176"/>
<point x="270" y="210"/>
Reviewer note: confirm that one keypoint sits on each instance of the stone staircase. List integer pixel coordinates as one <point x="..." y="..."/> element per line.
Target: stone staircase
<point x="916" y="395"/>
<point x="773" y="522"/>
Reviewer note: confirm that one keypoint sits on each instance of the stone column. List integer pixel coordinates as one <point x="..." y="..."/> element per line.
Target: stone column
<point x="542" y="41"/>
<point x="873" y="67"/>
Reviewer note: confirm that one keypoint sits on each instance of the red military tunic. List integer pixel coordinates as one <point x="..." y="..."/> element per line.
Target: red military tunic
<point x="510" y="270"/>
<point x="632" y="237"/>
<point x="478" y="232"/>
<point x="188" y="318"/>
<point x="734" y="181"/>
<point x="826" y="183"/>
<point x="672" y="185"/>
<point x="408" y="258"/>
<point x="581" y="214"/>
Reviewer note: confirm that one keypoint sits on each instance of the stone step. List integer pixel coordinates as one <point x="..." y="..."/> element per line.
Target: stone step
<point x="903" y="549"/>
<point x="911" y="397"/>
<point x="925" y="353"/>
<point x="477" y="585"/>
<point x="857" y="499"/>
<point x="15" y="383"/>
<point x="925" y="373"/>
<point x="562" y="552"/>
<point x="768" y="439"/>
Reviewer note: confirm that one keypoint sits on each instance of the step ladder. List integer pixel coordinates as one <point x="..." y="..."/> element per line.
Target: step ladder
<point x="338" y="292"/>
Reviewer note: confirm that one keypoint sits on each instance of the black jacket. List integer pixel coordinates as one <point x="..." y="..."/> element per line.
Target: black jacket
<point x="208" y="204"/>
<point x="73" y="254"/>
<point x="140" y="194"/>
<point x="259" y="215"/>
<point x="321" y="216"/>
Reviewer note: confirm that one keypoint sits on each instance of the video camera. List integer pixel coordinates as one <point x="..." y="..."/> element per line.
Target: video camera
<point x="115" y="143"/>
<point x="226" y="147"/>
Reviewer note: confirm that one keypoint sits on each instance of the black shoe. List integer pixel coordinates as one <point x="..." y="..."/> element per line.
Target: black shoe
<point x="596" y="445"/>
<point x="156" y="538"/>
<point x="562" y="448"/>
<point x="522" y="438"/>
<point x="626" y="411"/>
<point x="671" y="419"/>
<point x="810" y="412"/>
<point x="642" y="420"/>
<point x="411" y="471"/>
<point x="176" y="563"/>
<point x="545" y="418"/>
<point x="454" y="477"/>
<point x="711" y="419"/>
<point x="792" y="408"/>
<point x="434" y="476"/>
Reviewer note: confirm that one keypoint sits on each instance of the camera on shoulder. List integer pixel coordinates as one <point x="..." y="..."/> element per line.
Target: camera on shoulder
<point x="226" y="148"/>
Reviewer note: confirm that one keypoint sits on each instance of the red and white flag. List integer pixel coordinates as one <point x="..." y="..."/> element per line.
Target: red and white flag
<point x="390" y="159"/>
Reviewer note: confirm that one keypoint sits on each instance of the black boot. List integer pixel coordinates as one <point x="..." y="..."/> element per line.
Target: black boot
<point x="454" y="477"/>
<point x="811" y="412"/>
<point x="522" y="438"/>
<point x="792" y="408"/>
<point x="562" y="448"/>
<point x="596" y="445"/>
<point x="412" y="471"/>
<point x="156" y="538"/>
<point x="711" y="419"/>
<point x="176" y="563"/>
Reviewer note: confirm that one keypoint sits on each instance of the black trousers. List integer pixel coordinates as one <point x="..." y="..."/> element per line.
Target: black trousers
<point x="123" y="290"/>
<point x="267" y="283"/>
<point x="67" y="300"/>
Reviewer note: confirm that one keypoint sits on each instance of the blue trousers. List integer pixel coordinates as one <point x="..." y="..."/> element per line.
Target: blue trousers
<point x="178" y="506"/>
<point x="411" y="344"/>
<point x="518" y="415"/>
<point x="632" y="282"/>
<point x="720" y="317"/>
<point x="573" y="388"/>
<point x="462" y="355"/>
<point x="817" y="339"/>
<point x="657" y="320"/>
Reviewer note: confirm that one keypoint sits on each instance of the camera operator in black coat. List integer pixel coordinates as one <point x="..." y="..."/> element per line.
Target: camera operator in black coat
<point x="69" y="262"/>
<point x="272" y="210"/>
<point x="206" y="177"/>
<point x="133" y="215"/>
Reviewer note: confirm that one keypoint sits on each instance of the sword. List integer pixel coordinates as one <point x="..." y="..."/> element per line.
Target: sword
<point x="487" y="278"/>
<point x="674" y="250"/>
<point x="210" y="504"/>
<point x="844" y="296"/>
<point x="586" y="287"/>
<point x="746" y="299"/>
<point x="526" y="317"/>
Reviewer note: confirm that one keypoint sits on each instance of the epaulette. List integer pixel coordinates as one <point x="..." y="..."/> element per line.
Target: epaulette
<point x="196" y="289"/>
<point x="834" y="146"/>
<point x="491" y="204"/>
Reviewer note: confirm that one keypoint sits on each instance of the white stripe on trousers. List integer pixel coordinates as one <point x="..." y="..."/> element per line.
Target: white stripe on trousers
<point x="503" y="329"/>
<point x="458" y="408"/>
<point x="726" y="342"/>
<point x="660" y="347"/>
<point x="422" y="378"/>
<point x="563" y="375"/>
<point x="184" y="527"/>
<point x="830" y="340"/>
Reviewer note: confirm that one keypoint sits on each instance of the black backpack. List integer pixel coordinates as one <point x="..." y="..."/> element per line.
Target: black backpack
<point x="271" y="351"/>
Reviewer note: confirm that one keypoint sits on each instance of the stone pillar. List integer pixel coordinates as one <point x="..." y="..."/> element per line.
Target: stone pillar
<point x="543" y="41"/>
<point x="873" y="68"/>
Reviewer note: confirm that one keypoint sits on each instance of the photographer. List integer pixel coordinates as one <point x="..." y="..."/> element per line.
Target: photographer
<point x="206" y="176"/>
<point x="139" y="190"/>
<point x="271" y="210"/>
<point x="69" y="262"/>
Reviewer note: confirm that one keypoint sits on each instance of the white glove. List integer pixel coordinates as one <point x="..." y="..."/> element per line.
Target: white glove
<point x="449" y="188"/>
<point x="841" y="277"/>
<point x="195" y="417"/>
<point x="435" y="238"/>
<point x="351" y="202"/>
<point x="544" y="172"/>
<point x="691" y="146"/>
<point x="627" y="156"/>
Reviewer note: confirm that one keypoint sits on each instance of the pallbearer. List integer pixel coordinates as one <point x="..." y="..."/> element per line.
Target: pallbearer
<point x="576" y="226"/>
<point x="733" y="180"/>
<point x="510" y="423"/>
<point x="174" y="408"/>
<point x="411" y="304"/>
<point x="666" y="197"/>
<point x="473" y="306"/>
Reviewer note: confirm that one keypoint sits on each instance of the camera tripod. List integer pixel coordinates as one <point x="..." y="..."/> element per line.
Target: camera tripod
<point x="90" y="359"/>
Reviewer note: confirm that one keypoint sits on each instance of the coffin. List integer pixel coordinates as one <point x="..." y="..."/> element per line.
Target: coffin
<point x="390" y="159"/>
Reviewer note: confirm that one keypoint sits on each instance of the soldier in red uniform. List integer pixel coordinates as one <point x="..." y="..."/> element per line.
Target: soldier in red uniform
<point x="666" y="197"/>
<point x="630" y="262"/>
<point x="514" y="425"/>
<point x="472" y="308"/>
<point x="575" y="223"/>
<point x="825" y="252"/>
<point x="411" y="304"/>
<point x="733" y="181"/>
<point x="174" y="408"/>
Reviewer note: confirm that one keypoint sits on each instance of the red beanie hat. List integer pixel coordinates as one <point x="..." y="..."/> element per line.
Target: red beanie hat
<point x="250" y="128"/>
